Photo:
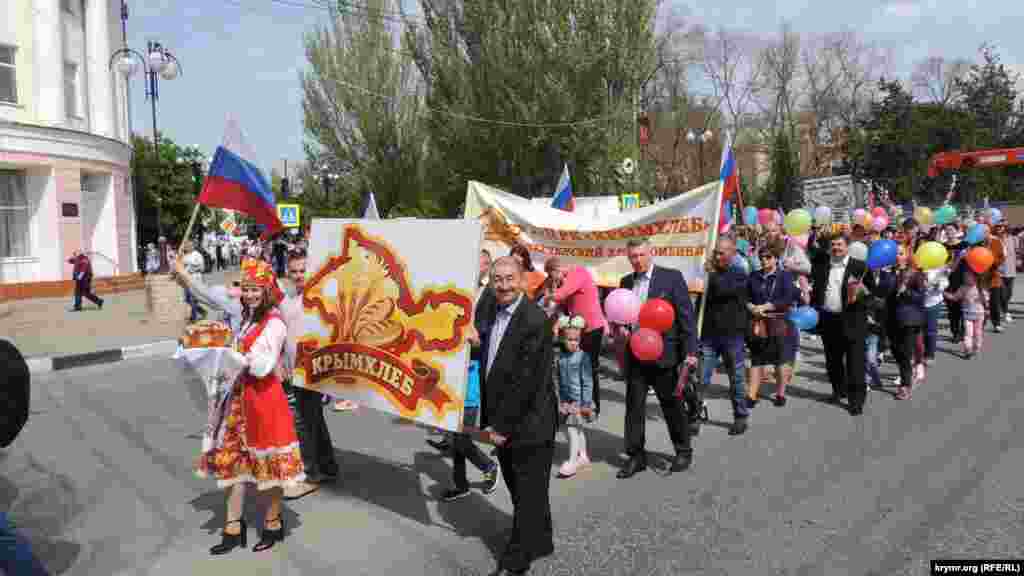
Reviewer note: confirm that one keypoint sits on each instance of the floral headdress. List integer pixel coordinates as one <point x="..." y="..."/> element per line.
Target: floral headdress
<point x="259" y="273"/>
<point x="573" y="322"/>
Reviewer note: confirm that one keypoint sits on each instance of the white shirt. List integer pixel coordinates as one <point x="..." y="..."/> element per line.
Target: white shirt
<point x="834" y="289"/>
<point x="265" y="353"/>
<point x="194" y="264"/>
<point x="501" y="322"/>
<point x="642" y="283"/>
<point x="938" y="281"/>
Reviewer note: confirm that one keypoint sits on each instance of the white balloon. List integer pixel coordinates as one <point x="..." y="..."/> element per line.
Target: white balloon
<point x="823" y="215"/>
<point x="859" y="251"/>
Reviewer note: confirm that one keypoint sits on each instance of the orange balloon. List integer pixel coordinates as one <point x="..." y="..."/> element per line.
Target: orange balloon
<point x="980" y="259"/>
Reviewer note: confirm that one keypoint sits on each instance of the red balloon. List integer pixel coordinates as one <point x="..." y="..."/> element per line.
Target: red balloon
<point x="980" y="259"/>
<point x="657" y="314"/>
<point x="646" y="345"/>
<point x="879" y="212"/>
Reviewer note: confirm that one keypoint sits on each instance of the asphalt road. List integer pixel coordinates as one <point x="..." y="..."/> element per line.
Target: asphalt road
<point x="100" y="482"/>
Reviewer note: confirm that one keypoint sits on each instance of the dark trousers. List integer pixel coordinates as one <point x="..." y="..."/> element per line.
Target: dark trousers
<point x="196" y="310"/>
<point x="1007" y="293"/>
<point x="591" y="342"/>
<point x="844" y="359"/>
<point x="463" y="448"/>
<point x="527" y="472"/>
<point x="640" y="377"/>
<point x="931" y="330"/>
<point x="955" y="313"/>
<point x="904" y="342"/>
<point x="311" y="428"/>
<point x="995" y="305"/>
<point x="84" y="288"/>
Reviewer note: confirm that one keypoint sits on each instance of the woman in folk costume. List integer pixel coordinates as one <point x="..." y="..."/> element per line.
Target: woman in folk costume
<point x="258" y="443"/>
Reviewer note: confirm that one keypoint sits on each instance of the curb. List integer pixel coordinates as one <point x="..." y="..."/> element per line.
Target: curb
<point x="56" y="363"/>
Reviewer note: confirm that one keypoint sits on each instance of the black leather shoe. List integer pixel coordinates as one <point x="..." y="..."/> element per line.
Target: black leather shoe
<point x="856" y="410"/>
<point x="739" y="426"/>
<point x="835" y="399"/>
<point x="681" y="462"/>
<point x="634" y="465"/>
<point x="694" y="427"/>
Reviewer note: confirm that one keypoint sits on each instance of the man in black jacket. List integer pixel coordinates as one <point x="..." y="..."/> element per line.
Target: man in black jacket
<point x="724" y="328"/>
<point x="519" y="409"/>
<point x="841" y="289"/>
<point x="680" y="344"/>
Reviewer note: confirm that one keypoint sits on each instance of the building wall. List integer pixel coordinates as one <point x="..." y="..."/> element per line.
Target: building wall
<point x="80" y="159"/>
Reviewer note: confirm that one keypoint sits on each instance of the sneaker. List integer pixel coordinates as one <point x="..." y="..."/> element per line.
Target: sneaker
<point x="1009" y="319"/>
<point x="454" y="494"/>
<point x="491" y="479"/>
<point x="582" y="460"/>
<point x="903" y="394"/>
<point x="998" y="329"/>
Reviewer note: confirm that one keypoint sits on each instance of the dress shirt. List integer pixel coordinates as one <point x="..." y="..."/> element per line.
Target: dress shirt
<point x="834" y="290"/>
<point x="501" y="321"/>
<point x="642" y="284"/>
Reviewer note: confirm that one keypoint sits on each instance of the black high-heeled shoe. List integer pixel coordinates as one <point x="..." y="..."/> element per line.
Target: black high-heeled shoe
<point x="270" y="537"/>
<point x="229" y="542"/>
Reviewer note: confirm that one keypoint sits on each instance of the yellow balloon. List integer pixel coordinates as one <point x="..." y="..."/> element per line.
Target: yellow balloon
<point x="797" y="222"/>
<point x="931" y="255"/>
<point x="923" y="215"/>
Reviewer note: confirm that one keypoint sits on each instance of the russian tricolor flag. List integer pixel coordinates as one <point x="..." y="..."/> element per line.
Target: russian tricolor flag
<point x="563" y="192"/>
<point x="730" y="187"/>
<point x="235" y="183"/>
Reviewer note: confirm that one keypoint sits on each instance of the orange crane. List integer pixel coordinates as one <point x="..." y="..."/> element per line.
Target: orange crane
<point x="956" y="160"/>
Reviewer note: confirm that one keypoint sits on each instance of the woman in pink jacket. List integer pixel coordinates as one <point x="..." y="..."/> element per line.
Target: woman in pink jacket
<point x="573" y="287"/>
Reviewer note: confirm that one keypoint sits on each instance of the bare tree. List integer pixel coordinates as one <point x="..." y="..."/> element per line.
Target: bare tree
<point x="731" y="64"/>
<point x="936" y="78"/>
<point x="781" y="89"/>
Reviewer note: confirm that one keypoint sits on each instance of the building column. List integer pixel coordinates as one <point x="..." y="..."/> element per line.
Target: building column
<point x="48" y="36"/>
<point x="100" y="81"/>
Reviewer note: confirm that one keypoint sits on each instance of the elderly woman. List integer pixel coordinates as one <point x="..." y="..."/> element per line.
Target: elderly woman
<point x="259" y="444"/>
<point x="773" y="290"/>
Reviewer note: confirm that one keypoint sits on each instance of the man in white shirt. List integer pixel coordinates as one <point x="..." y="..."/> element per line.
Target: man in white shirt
<point x="840" y="287"/>
<point x="194" y="265"/>
<point x="307" y="405"/>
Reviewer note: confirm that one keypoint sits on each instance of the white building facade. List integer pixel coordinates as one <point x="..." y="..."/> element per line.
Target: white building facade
<point x="64" y="141"/>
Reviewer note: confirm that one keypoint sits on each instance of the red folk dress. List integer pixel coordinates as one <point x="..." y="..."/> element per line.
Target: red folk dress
<point x="260" y="444"/>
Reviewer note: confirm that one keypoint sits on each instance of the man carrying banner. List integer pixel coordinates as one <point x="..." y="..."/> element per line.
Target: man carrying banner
<point x="520" y="410"/>
<point x="649" y="281"/>
<point x="307" y="405"/>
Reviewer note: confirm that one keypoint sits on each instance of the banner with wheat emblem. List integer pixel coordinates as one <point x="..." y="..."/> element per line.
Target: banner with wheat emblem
<point x="387" y="306"/>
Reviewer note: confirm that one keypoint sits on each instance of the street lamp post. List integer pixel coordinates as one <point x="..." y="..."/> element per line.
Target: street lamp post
<point x="692" y="137"/>
<point x="157" y="63"/>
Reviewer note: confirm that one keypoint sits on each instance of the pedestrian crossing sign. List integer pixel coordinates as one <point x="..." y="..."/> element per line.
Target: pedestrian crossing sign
<point x="289" y="215"/>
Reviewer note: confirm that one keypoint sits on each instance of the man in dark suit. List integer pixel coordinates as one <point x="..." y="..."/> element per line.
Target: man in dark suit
<point x="724" y="328"/>
<point x="649" y="281"/>
<point x="841" y="286"/>
<point x="519" y="409"/>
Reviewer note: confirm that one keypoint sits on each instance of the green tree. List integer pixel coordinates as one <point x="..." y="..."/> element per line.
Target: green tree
<point x="363" y="112"/>
<point x="509" y="82"/>
<point x="785" y="173"/>
<point x="167" y="185"/>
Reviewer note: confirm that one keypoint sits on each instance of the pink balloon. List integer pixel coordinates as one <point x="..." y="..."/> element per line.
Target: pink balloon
<point x="621" y="306"/>
<point x="878" y="212"/>
<point x="766" y="216"/>
<point x="801" y="240"/>
<point x="879" y="223"/>
<point x="859" y="214"/>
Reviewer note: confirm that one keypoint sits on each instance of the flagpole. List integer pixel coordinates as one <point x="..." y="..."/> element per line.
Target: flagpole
<point x="191" y="222"/>
<point x="713" y="239"/>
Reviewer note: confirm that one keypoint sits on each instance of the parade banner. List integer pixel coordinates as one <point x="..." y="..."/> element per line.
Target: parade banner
<point x="678" y="229"/>
<point x="386" y="309"/>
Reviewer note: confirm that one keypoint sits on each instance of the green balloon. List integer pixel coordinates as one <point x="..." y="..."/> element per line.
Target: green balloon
<point x="797" y="222"/>
<point x="945" y="214"/>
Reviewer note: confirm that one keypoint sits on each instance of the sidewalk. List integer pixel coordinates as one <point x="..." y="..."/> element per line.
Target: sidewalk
<point x="47" y="328"/>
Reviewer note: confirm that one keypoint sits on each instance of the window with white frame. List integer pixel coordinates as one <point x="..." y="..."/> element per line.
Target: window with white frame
<point x="71" y="89"/>
<point x="8" y="80"/>
<point x="14" y="215"/>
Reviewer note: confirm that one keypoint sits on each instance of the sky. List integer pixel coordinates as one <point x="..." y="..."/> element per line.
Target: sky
<point x="244" y="57"/>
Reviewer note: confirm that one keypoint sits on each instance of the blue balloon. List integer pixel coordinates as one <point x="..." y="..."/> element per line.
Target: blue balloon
<point x="743" y="246"/>
<point x="882" y="253"/>
<point x="996" y="215"/>
<point x="750" y="216"/>
<point x="975" y="234"/>
<point x="804" y="317"/>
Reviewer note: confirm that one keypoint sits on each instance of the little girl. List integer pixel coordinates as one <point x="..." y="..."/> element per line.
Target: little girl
<point x="974" y="304"/>
<point x="575" y="392"/>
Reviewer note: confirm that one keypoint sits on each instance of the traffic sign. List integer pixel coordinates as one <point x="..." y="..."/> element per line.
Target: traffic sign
<point x="289" y="215"/>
